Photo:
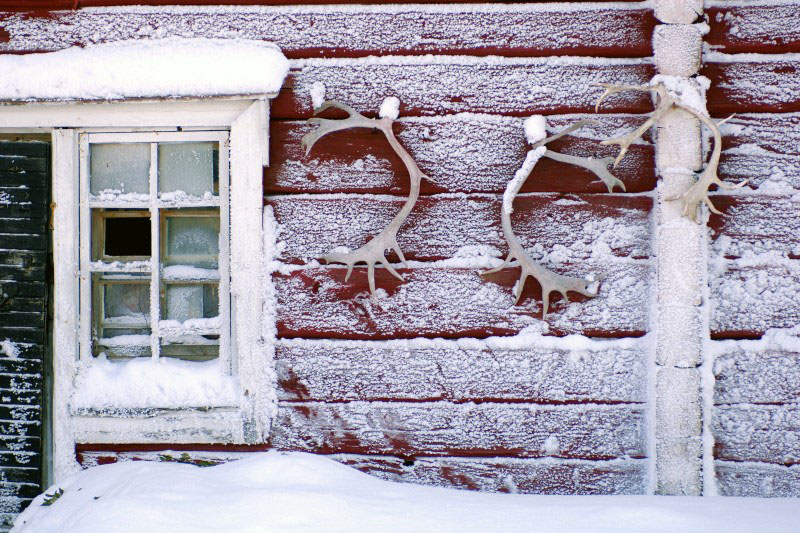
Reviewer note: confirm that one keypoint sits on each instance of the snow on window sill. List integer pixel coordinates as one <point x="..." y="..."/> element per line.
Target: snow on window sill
<point x="144" y="387"/>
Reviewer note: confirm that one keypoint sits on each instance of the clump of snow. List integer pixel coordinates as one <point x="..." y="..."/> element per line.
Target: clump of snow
<point x="535" y="128"/>
<point x="197" y="326"/>
<point x="690" y="92"/>
<point x="551" y="446"/>
<point x="317" y="94"/>
<point x="183" y="196"/>
<point x="153" y="383"/>
<point x="292" y="492"/>
<point x="120" y="266"/>
<point x="390" y="108"/>
<point x="117" y="196"/>
<point x="167" y="68"/>
<point x="519" y="178"/>
<point x="9" y="348"/>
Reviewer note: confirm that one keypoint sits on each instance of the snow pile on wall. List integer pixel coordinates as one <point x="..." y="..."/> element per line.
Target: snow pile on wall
<point x="148" y="383"/>
<point x="168" y="68"/>
<point x="290" y="492"/>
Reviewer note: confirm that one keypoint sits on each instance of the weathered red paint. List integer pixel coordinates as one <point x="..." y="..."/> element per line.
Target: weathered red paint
<point x="725" y="35"/>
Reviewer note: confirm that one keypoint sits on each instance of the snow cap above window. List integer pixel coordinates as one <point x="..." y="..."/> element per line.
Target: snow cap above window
<point x="168" y="68"/>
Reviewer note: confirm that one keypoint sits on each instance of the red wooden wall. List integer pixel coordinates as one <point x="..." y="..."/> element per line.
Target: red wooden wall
<point x="465" y="412"/>
<point x="469" y="411"/>
<point x="754" y="272"/>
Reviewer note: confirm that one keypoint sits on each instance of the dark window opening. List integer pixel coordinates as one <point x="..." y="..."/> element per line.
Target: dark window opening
<point x="127" y="236"/>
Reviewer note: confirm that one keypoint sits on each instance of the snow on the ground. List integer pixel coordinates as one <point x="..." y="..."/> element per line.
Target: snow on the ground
<point x="167" y="68"/>
<point x="291" y="492"/>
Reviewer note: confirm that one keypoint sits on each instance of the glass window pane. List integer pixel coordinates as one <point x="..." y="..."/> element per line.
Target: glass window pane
<point x="119" y="167"/>
<point x="192" y="240"/>
<point x="121" y="309"/>
<point x="188" y="167"/>
<point x="126" y="303"/>
<point x="184" y="302"/>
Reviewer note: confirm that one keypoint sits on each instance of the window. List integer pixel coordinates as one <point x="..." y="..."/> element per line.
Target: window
<point x="159" y="262"/>
<point x="154" y="243"/>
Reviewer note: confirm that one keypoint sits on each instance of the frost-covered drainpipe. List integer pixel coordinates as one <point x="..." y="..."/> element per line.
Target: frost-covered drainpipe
<point x="680" y="247"/>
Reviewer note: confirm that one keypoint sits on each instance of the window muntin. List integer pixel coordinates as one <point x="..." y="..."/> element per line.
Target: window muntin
<point x="154" y="245"/>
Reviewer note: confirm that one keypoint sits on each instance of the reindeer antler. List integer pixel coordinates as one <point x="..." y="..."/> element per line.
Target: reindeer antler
<point x="374" y="251"/>
<point x="550" y="281"/>
<point x="698" y="192"/>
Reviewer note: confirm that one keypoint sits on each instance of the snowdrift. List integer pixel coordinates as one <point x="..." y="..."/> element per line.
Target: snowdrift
<point x="290" y="492"/>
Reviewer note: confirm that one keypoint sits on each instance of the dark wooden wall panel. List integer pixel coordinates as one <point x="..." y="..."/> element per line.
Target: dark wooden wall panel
<point x="493" y="474"/>
<point x="40" y="7"/>
<point x="516" y="87"/>
<point x="23" y="296"/>
<point x="761" y="85"/>
<point x="757" y="480"/>
<point x="457" y="302"/>
<point x="749" y="300"/>
<point x="764" y="376"/>
<point x="756" y="224"/>
<point x="757" y="433"/>
<point x="753" y="268"/>
<point x="522" y="476"/>
<point x="763" y="148"/>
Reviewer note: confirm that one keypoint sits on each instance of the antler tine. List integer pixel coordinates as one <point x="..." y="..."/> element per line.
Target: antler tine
<point x="698" y="192"/>
<point x="566" y="131"/>
<point x="374" y="250"/>
<point x="327" y="104"/>
<point x="326" y="125"/>
<point x="610" y="89"/>
<point x="549" y="281"/>
<point x="665" y="101"/>
<point x="598" y="166"/>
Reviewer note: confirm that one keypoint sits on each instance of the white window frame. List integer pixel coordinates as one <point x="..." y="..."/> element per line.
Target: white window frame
<point x="155" y="206"/>
<point x="246" y="120"/>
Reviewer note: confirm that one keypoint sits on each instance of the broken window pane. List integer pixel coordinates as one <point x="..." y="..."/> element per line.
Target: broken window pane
<point x="126" y="236"/>
<point x="188" y="167"/>
<point x="119" y="167"/>
<point x="192" y="240"/>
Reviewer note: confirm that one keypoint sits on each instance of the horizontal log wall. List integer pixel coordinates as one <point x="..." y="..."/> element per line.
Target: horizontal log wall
<point x="754" y="272"/>
<point x="23" y="296"/>
<point x="538" y="415"/>
<point x="530" y="417"/>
